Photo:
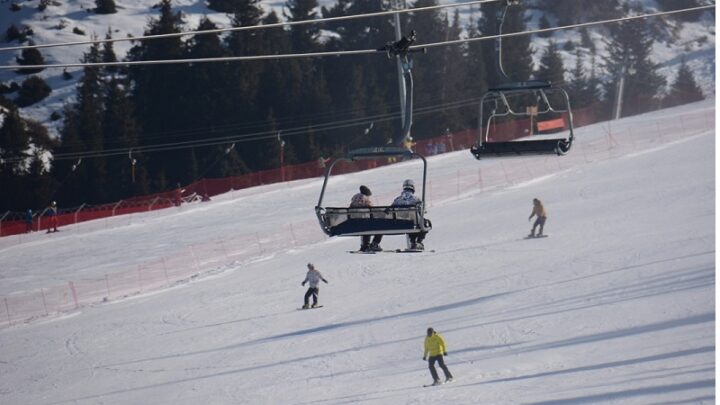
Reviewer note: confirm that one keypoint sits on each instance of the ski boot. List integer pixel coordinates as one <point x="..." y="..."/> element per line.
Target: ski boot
<point x="374" y="247"/>
<point x="437" y="382"/>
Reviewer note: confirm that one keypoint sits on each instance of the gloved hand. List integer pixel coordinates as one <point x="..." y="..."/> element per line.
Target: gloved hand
<point x="325" y="281"/>
<point x="302" y="284"/>
<point x="445" y="354"/>
<point x="424" y="359"/>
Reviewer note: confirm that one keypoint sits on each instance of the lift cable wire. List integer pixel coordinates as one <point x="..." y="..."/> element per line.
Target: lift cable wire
<point x="364" y="121"/>
<point x="253" y="27"/>
<point x="351" y="52"/>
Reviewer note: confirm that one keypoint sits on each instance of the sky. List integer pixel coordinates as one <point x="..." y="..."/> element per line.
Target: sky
<point x="200" y="303"/>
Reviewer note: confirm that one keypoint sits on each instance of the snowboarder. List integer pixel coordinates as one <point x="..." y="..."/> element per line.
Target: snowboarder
<point x="406" y="199"/>
<point x="52" y="213"/>
<point x="539" y="211"/>
<point x="28" y="220"/>
<point x="436" y="348"/>
<point x="362" y="199"/>
<point x="313" y="277"/>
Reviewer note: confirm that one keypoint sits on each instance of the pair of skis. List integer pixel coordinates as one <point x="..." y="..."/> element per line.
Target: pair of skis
<point x="391" y="251"/>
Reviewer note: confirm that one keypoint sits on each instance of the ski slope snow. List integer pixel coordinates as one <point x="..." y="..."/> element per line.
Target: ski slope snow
<point x="617" y="306"/>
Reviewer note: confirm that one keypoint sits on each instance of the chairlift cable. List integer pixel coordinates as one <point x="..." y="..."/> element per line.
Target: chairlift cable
<point x="252" y="27"/>
<point x="351" y="52"/>
<point x="252" y="137"/>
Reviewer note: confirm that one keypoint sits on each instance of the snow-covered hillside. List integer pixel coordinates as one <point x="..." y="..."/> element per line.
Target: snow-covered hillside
<point x="616" y="306"/>
<point x="59" y="20"/>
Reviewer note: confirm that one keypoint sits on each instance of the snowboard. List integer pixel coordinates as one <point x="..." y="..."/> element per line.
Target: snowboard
<point x="537" y="237"/>
<point x="303" y="309"/>
<point x="411" y="251"/>
<point x="442" y="383"/>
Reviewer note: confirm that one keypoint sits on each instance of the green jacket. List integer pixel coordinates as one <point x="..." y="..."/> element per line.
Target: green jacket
<point x="434" y="345"/>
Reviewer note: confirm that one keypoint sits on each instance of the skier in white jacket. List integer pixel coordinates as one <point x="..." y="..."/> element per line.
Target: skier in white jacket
<point x="313" y="277"/>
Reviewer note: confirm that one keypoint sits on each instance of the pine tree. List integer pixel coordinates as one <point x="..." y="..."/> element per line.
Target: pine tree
<point x="15" y="143"/>
<point x="30" y="57"/>
<point x="105" y="7"/>
<point x="684" y="89"/>
<point x="32" y="90"/>
<point x="669" y="5"/>
<point x="551" y="65"/>
<point x="476" y="82"/>
<point x="302" y="36"/>
<point x="629" y="47"/>
<point x="544" y="23"/>
<point x="108" y="53"/>
<point x="91" y="176"/>
<point x="158" y="94"/>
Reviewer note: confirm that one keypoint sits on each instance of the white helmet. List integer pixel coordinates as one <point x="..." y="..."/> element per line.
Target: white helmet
<point x="409" y="185"/>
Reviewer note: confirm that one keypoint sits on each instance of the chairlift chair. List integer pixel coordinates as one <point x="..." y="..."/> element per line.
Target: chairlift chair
<point x="522" y="117"/>
<point x="385" y="220"/>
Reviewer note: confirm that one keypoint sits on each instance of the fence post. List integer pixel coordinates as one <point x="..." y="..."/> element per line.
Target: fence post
<point x="167" y="280"/>
<point x="42" y="291"/>
<point x="195" y="260"/>
<point x="7" y="309"/>
<point x="507" y="180"/>
<point x="292" y="232"/>
<point x="153" y="203"/>
<point x="457" y="194"/>
<point x="1" y="221"/>
<point x="78" y="211"/>
<point x="115" y="207"/>
<point x="74" y="293"/>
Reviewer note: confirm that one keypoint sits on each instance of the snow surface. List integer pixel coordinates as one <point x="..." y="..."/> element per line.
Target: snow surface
<point x="616" y="306"/>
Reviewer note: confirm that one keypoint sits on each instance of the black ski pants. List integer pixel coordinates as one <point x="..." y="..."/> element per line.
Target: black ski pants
<point x="441" y="362"/>
<point x="312" y="291"/>
<point x="541" y="222"/>
<point x="366" y="240"/>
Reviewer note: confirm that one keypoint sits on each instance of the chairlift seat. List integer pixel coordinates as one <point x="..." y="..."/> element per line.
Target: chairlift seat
<point x="339" y="221"/>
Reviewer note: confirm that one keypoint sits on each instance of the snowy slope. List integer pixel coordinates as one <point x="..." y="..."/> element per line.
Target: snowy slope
<point x="616" y="306"/>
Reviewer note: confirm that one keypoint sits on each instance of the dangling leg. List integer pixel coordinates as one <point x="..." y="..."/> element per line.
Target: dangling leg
<point x="444" y="368"/>
<point x="307" y="297"/>
<point x="431" y="366"/>
<point x="365" y="243"/>
<point x="375" y="245"/>
<point x="315" y="293"/>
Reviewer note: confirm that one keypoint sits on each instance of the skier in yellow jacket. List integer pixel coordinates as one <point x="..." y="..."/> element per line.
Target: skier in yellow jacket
<point x="436" y="348"/>
<point x="539" y="211"/>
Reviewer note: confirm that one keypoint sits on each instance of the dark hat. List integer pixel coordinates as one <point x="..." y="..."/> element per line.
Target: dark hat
<point x="365" y="191"/>
<point x="430" y="331"/>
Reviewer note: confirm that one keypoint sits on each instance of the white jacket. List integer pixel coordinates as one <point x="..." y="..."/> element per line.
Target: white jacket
<point x="314" y="277"/>
<point x="407" y="198"/>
